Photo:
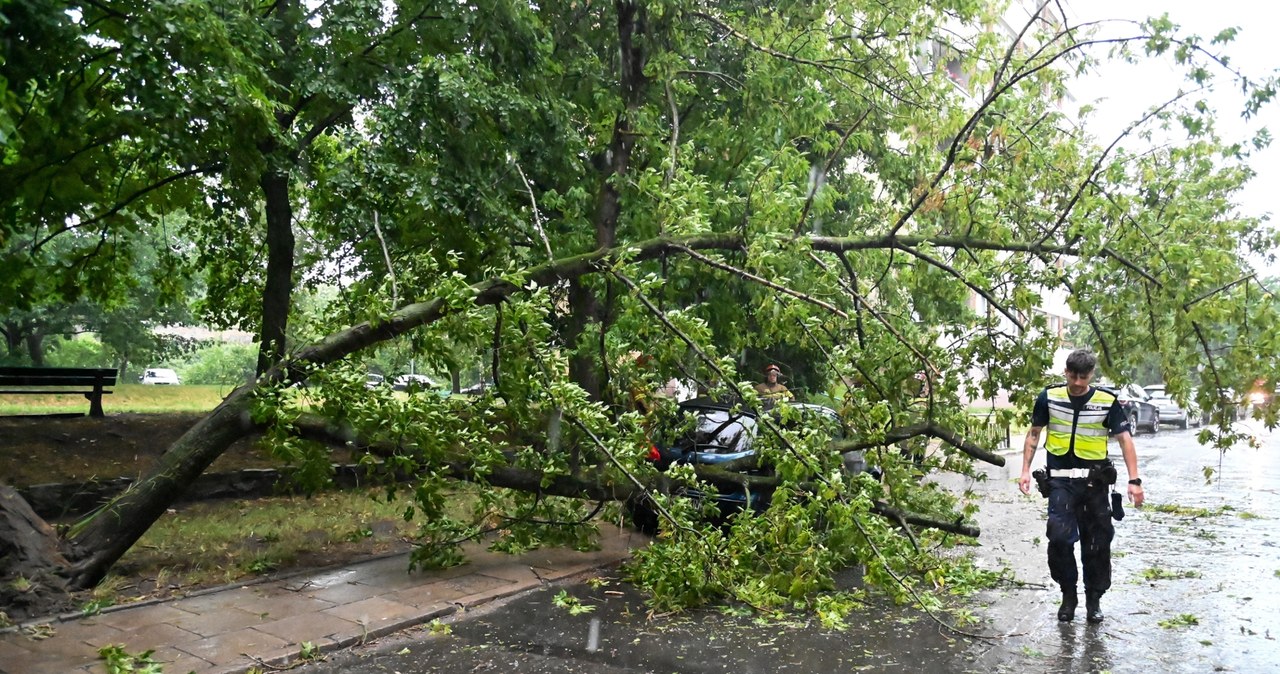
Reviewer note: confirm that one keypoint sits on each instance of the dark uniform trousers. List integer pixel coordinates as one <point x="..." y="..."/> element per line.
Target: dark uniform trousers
<point x="1079" y="513"/>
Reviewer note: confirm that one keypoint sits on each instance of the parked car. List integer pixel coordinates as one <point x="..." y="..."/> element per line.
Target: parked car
<point x="711" y="432"/>
<point x="1173" y="413"/>
<point x="372" y="380"/>
<point x="420" y="382"/>
<point x="1143" y="413"/>
<point x="159" y="376"/>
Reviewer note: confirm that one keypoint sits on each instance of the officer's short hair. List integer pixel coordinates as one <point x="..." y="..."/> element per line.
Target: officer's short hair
<point x="1081" y="361"/>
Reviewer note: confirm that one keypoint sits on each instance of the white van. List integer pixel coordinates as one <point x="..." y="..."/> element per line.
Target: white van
<point x="160" y="376"/>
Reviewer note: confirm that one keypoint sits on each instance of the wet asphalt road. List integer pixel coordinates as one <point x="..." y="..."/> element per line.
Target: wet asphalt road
<point x="1196" y="588"/>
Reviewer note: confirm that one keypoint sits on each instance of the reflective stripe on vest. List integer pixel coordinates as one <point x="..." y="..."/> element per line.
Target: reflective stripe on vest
<point x="1090" y="424"/>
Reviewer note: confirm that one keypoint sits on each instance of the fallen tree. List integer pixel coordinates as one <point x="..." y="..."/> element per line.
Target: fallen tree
<point x="102" y="539"/>
<point x="573" y="185"/>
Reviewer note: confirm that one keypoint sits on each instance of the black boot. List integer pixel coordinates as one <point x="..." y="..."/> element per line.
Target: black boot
<point x="1092" y="607"/>
<point x="1067" y="609"/>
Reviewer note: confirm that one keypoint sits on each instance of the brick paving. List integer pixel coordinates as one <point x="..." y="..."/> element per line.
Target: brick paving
<point x="233" y="629"/>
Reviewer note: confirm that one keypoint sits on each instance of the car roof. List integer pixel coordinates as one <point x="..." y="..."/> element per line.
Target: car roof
<point x="708" y="403"/>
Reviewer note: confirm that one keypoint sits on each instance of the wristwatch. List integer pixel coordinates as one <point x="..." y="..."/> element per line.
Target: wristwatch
<point x="1136" y="481"/>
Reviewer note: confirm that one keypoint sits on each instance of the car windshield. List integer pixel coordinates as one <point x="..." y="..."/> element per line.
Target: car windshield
<point x="722" y="430"/>
<point x="717" y="428"/>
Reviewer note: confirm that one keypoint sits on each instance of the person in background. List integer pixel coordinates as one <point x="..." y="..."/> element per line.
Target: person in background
<point x="771" y="391"/>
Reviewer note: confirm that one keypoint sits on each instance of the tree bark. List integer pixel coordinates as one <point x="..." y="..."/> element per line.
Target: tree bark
<point x="13" y="336"/>
<point x="8" y="339"/>
<point x="277" y="294"/>
<point x="584" y="309"/>
<point x="123" y="368"/>
<point x="28" y="545"/>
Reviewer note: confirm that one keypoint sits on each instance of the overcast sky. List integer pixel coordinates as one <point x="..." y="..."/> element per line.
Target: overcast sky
<point x="1128" y="91"/>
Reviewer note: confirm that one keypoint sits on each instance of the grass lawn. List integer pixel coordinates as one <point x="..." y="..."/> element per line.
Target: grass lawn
<point x="123" y="398"/>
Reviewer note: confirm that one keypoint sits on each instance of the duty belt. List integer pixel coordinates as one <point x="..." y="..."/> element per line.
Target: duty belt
<point x="1078" y="473"/>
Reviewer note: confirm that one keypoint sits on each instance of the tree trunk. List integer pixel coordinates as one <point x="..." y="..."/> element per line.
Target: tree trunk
<point x="28" y="545"/>
<point x="584" y="310"/>
<point x="585" y="307"/>
<point x="13" y="334"/>
<point x="35" y="348"/>
<point x="117" y="526"/>
<point x="278" y="293"/>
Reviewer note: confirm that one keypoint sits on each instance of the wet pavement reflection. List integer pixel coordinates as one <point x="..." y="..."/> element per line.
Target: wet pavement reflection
<point x="1196" y="588"/>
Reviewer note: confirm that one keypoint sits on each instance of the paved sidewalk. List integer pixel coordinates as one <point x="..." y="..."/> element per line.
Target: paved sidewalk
<point x="230" y="630"/>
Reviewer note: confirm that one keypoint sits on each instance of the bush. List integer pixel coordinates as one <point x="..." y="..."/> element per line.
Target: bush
<point x="82" y="351"/>
<point x="229" y="364"/>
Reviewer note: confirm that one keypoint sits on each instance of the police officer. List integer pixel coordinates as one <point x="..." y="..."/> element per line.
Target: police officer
<point x="1079" y="418"/>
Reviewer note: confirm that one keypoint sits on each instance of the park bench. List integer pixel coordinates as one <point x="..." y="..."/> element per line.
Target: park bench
<point x="91" y="381"/>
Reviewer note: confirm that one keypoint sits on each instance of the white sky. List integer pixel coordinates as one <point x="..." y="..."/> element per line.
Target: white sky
<point x="1129" y="91"/>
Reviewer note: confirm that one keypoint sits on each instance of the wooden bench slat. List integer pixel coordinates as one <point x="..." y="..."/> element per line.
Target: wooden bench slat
<point x="58" y="371"/>
<point x="28" y="391"/>
<point x="56" y="381"/>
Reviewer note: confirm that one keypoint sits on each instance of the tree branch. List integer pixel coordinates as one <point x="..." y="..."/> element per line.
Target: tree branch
<point x="826" y="168"/>
<point x="766" y="283"/>
<point x="924" y="360"/>
<point x="929" y="429"/>
<point x="675" y="135"/>
<point x="120" y="206"/>
<point x="1215" y="291"/>
<point x="595" y="485"/>
<point x="972" y="286"/>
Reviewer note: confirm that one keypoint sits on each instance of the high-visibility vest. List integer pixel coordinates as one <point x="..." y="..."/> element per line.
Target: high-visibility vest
<point x="1083" y="432"/>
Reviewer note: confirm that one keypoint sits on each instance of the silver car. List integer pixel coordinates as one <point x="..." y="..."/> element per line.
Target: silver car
<point x="1172" y="413"/>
